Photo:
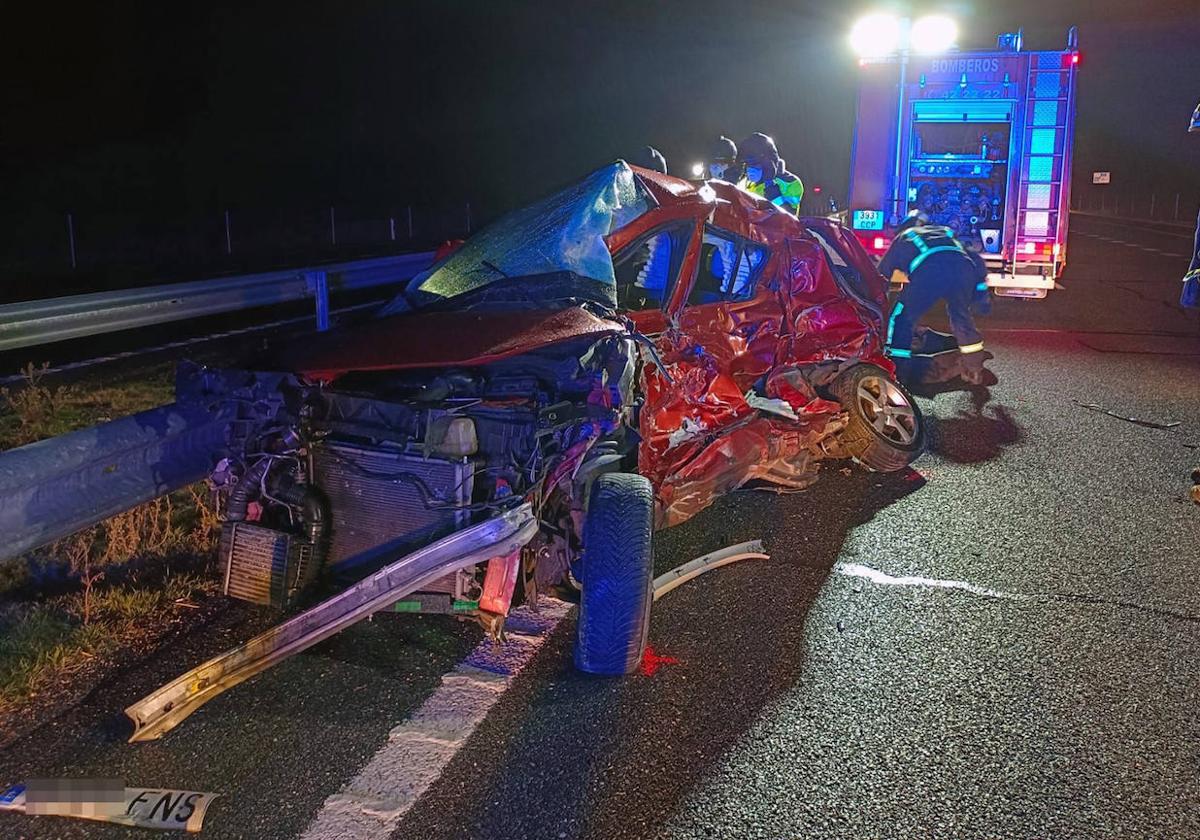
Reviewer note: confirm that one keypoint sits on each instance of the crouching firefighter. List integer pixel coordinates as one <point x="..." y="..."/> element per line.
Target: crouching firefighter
<point x="1191" y="280"/>
<point x="938" y="267"/>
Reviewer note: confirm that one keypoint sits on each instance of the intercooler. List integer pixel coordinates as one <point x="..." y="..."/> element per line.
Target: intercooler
<point x="265" y="566"/>
<point x="385" y="502"/>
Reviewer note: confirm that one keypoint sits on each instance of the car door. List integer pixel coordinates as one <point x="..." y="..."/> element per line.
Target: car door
<point x="723" y="337"/>
<point x="729" y="314"/>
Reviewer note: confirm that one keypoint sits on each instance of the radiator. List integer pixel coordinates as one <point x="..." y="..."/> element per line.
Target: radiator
<point x="371" y="507"/>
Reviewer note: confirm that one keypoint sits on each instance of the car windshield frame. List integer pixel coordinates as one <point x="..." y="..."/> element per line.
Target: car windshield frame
<point x="515" y="261"/>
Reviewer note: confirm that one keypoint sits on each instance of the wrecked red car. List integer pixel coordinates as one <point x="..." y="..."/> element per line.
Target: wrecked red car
<point x="585" y="371"/>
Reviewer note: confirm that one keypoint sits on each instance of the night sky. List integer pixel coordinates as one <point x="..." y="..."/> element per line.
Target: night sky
<point x="191" y="107"/>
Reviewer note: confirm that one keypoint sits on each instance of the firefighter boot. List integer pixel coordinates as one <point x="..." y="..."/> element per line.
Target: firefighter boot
<point x="971" y="368"/>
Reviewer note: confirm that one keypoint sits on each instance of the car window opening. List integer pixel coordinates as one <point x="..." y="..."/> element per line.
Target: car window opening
<point x="729" y="268"/>
<point x="646" y="270"/>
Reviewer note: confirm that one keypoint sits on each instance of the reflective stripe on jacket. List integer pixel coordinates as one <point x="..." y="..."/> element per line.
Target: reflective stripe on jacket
<point x="785" y="191"/>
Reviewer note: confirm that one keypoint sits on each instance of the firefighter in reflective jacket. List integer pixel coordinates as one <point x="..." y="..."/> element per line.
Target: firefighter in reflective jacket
<point x="1190" y="296"/>
<point x="938" y="267"/>
<point x="766" y="174"/>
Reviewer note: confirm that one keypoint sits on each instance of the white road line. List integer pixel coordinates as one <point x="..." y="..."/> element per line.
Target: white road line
<point x="882" y="578"/>
<point x="372" y="804"/>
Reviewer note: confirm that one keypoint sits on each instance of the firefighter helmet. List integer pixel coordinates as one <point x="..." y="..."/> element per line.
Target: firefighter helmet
<point x="723" y="151"/>
<point x="649" y="157"/>
<point x="759" y="151"/>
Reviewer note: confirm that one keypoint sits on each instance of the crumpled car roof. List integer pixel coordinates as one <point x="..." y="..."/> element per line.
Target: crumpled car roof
<point x="553" y="251"/>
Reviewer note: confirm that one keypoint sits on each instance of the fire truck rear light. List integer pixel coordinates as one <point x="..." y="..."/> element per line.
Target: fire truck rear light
<point x="1030" y="248"/>
<point x="879" y="243"/>
<point x="1074" y="58"/>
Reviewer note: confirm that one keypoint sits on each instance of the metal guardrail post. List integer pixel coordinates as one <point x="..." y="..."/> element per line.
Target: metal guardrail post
<point x="318" y="284"/>
<point x="71" y="238"/>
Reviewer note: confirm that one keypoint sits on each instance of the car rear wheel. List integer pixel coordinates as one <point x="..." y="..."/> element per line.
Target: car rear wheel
<point x="886" y="431"/>
<point x="616" y="576"/>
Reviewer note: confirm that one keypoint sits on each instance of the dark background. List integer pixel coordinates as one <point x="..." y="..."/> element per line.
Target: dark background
<point x="164" y="108"/>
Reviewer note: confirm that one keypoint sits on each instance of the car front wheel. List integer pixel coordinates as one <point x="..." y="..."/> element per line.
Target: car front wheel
<point x="616" y="576"/>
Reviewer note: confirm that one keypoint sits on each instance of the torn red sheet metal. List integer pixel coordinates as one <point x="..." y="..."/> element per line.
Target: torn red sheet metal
<point x="800" y="328"/>
<point x="815" y="307"/>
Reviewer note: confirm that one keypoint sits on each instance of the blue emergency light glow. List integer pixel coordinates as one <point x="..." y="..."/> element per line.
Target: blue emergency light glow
<point x="867" y="220"/>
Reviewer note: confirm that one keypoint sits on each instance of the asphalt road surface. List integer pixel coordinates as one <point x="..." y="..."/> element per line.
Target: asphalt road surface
<point x="1002" y="643"/>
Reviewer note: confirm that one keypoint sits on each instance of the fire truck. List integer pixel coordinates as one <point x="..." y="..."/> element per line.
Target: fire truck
<point x="981" y="143"/>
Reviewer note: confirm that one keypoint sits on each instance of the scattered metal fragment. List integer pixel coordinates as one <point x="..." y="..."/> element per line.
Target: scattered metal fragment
<point x="770" y="405"/>
<point x="159" y="711"/>
<point x="752" y="550"/>
<point x="1149" y="424"/>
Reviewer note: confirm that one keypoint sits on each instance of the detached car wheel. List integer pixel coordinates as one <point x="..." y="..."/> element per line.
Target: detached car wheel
<point x="616" y="575"/>
<point x="886" y="431"/>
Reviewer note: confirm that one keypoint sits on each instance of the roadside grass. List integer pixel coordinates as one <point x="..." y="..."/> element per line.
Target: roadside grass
<point x="36" y="409"/>
<point x="89" y="595"/>
<point x="48" y="640"/>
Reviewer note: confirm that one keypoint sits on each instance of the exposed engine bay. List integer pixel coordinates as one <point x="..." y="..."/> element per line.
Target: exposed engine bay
<point x="334" y="484"/>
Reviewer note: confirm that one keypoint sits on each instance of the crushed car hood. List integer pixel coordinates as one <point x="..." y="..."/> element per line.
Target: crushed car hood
<point x="439" y="339"/>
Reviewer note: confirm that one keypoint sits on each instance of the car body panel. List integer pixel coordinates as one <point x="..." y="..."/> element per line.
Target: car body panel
<point x="701" y="436"/>
<point x="440" y="339"/>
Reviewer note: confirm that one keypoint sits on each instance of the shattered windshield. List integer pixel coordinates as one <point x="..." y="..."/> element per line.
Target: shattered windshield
<point x="548" y="255"/>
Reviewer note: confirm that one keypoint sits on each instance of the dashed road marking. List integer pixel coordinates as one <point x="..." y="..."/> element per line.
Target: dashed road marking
<point x="372" y="804"/>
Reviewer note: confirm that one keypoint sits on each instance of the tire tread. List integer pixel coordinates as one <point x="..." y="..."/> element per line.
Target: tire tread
<point x="617" y="576"/>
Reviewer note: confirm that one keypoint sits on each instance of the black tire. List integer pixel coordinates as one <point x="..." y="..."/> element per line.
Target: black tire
<point x="884" y="443"/>
<point x="616" y="575"/>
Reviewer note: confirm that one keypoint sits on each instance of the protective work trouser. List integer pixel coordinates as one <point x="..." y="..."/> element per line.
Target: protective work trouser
<point x="1190" y="296"/>
<point x="919" y="297"/>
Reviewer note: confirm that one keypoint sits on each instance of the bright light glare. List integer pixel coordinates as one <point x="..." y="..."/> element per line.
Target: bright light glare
<point x="875" y="36"/>
<point x="933" y="34"/>
<point x="697" y="169"/>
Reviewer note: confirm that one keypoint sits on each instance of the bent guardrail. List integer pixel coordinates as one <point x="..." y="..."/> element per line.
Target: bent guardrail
<point x="32" y="323"/>
<point x="55" y="487"/>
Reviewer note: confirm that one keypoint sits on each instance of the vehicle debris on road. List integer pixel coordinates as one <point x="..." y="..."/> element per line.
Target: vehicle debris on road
<point x="108" y="800"/>
<point x="669" y="581"/>
<point x="1137" y="421"/>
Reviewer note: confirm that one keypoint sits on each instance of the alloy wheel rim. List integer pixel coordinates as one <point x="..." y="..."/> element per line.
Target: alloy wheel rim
<point x="887" y="409"/>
